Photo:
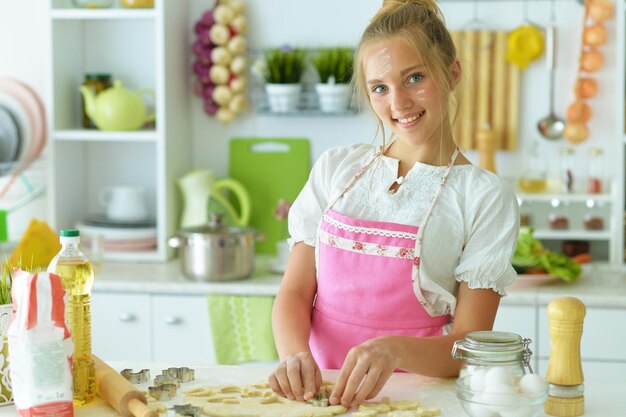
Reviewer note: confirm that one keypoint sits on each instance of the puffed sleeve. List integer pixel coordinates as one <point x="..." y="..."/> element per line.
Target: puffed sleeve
<point x="493" y="226"/>
<point x="306" y="212"/>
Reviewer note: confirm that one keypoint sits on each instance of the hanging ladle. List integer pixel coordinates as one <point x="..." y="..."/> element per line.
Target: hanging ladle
<point x="551" y="127"/>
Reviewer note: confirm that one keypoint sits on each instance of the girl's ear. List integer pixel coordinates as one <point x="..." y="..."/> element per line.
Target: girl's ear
<point x="455" y="72"/>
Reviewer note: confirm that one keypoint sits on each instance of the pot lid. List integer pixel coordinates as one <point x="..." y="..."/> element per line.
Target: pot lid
<point x="215" y="226"/>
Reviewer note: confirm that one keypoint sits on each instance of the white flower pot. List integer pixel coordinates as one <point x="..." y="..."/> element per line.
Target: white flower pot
<point x="283" y="98"/>
<point x="334" y="98"/>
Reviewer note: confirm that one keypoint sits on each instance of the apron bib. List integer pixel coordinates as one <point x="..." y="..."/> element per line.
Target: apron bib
<point x="365" y="281"/>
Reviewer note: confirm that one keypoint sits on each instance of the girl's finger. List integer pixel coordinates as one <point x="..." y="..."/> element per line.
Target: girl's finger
<point x="283" y="381"/>
<point x="370" y="382"/>
<point x="295" y="380"/>
<point x="354" y="381"/>
<point x="275" y="385"/>
<point x="382" y="380"/>
<point x="342" y="380"/>
<point x="309" y="379"/>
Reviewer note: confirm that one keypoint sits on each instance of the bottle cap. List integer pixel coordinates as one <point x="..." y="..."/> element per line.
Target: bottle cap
<point x="70" y="233"/>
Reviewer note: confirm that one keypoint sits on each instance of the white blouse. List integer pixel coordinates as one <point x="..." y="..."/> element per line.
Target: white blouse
<point x="470" y="235"/>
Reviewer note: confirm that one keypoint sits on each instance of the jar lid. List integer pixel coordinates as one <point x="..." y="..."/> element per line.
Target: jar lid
<point x="492" y="346"/>
<point x="97" y="76"/>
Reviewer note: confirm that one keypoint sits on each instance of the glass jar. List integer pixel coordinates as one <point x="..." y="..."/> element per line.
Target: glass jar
<point x="567" y="170"/>
<point x="595" y="176"/>
<point x="92" y="4"/>
<point x="533" y="179"/>
<point x="97" y="82"/>
<point x="558" y="218"/>
<point x="594" y="216"/>
<point x="483" y="350"/>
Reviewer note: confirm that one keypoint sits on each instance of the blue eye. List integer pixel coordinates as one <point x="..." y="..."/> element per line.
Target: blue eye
<point x="379" y="89"/>
<point x="415" y="78"/>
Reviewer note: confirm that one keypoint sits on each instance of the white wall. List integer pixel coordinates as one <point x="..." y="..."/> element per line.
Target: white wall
<point x="23" y="54"/>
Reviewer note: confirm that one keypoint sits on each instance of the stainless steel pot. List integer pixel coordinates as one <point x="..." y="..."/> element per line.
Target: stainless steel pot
<point x="215" y="252"/>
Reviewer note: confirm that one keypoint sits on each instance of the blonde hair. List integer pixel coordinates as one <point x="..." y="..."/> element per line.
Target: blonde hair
<point x="422" y="25"/>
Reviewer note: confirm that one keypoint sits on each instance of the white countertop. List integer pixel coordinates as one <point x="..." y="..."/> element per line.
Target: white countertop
<point x="601" y="399"/>
<point x="597" y="287"/>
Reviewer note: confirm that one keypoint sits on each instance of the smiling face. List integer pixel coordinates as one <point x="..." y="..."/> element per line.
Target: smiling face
<point x="404" y="95"/>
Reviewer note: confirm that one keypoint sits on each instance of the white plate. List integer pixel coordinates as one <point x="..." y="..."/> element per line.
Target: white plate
<point x="9" y="136"/>
<point x="21" y="117"/>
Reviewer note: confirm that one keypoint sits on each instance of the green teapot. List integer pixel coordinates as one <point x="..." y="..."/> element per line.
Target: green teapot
<point x="117" y="108"/>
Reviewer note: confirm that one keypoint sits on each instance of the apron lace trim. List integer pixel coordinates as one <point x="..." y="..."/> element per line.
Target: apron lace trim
<point x="365" y="247"/>
<point x="368" y="230"/>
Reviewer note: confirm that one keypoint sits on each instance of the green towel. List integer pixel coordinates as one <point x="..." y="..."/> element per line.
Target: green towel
<point x="242" y="329"/>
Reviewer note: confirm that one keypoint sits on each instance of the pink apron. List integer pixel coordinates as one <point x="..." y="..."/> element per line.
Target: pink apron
<point x="365" y="277"/>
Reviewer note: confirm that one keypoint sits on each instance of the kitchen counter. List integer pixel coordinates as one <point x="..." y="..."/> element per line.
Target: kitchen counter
<point x="601" y="399"/>
<point x="597" y="287"/>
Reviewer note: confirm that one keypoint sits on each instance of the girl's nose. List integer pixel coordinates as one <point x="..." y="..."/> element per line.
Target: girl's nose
<point x="400" y="100"/>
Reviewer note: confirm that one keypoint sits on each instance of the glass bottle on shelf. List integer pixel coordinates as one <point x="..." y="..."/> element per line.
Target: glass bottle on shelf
<point x="566" y="162"/>
<point x="595" y="176"/>
<point x="594" y="216"/>
<point x="558" y="219"/>
<point x="533" y="178"/>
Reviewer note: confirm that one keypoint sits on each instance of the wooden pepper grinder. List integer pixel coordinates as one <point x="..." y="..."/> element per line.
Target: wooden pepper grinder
<point x="486" y="144"/>
<point x="565" y="373"/>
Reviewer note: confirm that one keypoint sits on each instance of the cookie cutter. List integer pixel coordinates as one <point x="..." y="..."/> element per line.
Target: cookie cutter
<point x="136" y="377"/>
<point x="163" y="392"/>
<point x="186" y="410"/>
<point x="183" y="374"/>
<point x="321" y="398"/>
<point x="166" y="379"/>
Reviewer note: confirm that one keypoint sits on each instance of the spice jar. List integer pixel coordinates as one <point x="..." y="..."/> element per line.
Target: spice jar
<point x="558" y="219"/>
<point x="97" y="82"/>
<point x="567" y="170"/>
<point x="595" y="175"/>
<point x="594" y="217"/>
<point x="485" y="349"/>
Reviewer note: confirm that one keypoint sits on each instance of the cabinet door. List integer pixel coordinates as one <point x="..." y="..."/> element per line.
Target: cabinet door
<point x="517" y="319"/>
<point x="181" y="330"/>
<point x="604" y="335"/>
<point x="120" y="328"/>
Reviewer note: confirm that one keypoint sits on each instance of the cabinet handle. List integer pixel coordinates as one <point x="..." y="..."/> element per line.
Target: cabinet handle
<point x="172" y="320"/>
<point x="127" y="317"/>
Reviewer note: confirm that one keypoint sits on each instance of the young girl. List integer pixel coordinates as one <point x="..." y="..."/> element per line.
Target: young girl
<point x="398" y="251"/>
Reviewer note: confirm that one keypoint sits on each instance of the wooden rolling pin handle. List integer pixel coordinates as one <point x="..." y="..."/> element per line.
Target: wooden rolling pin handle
<point x="119" y="393"/>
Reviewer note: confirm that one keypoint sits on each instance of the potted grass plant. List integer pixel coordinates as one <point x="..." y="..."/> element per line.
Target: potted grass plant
<point x="282" y="72"/>
<point x="334" y="67"/>
<point x="6" y="311"/>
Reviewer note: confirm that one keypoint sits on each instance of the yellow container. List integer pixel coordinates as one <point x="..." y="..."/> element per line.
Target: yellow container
<point x="137" y="4"/>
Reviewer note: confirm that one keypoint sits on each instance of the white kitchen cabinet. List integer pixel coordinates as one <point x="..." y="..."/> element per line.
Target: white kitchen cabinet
<point x="603" y="339"/>
<point x="120" y="326"/>
<point x="181" y="329"/>
<point x="521" y="320"/>
<point x="144" y="48"/>
<point x="152" y="327"/>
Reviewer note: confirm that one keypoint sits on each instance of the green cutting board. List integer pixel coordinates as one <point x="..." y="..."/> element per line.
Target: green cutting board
<point x="271" y="169"/>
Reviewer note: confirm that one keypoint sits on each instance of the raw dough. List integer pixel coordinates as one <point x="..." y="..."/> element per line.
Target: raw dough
<point x="255" y="400"/>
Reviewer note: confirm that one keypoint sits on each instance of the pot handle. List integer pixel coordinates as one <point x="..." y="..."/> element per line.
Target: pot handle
<point x="174" y="242"/>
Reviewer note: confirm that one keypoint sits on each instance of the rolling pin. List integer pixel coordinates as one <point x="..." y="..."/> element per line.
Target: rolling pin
<point x="119" y="393"/>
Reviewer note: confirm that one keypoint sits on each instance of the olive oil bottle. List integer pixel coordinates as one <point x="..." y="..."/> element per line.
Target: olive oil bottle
<point x="77" y="277"/>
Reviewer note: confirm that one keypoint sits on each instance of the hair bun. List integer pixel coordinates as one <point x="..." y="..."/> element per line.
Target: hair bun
<point x="391" y="5"/>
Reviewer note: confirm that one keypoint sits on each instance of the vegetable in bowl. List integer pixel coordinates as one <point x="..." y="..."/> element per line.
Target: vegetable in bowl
<point x="530" y="255"/>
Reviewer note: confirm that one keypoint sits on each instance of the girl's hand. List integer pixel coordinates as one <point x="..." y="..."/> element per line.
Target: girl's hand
<point x="365" y="371"/>
<point x="297" y="377"/>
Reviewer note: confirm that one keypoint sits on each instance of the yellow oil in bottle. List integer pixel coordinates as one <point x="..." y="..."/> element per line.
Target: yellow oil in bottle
<point x="77" y="277"/>
<point x="532" y="185"/>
